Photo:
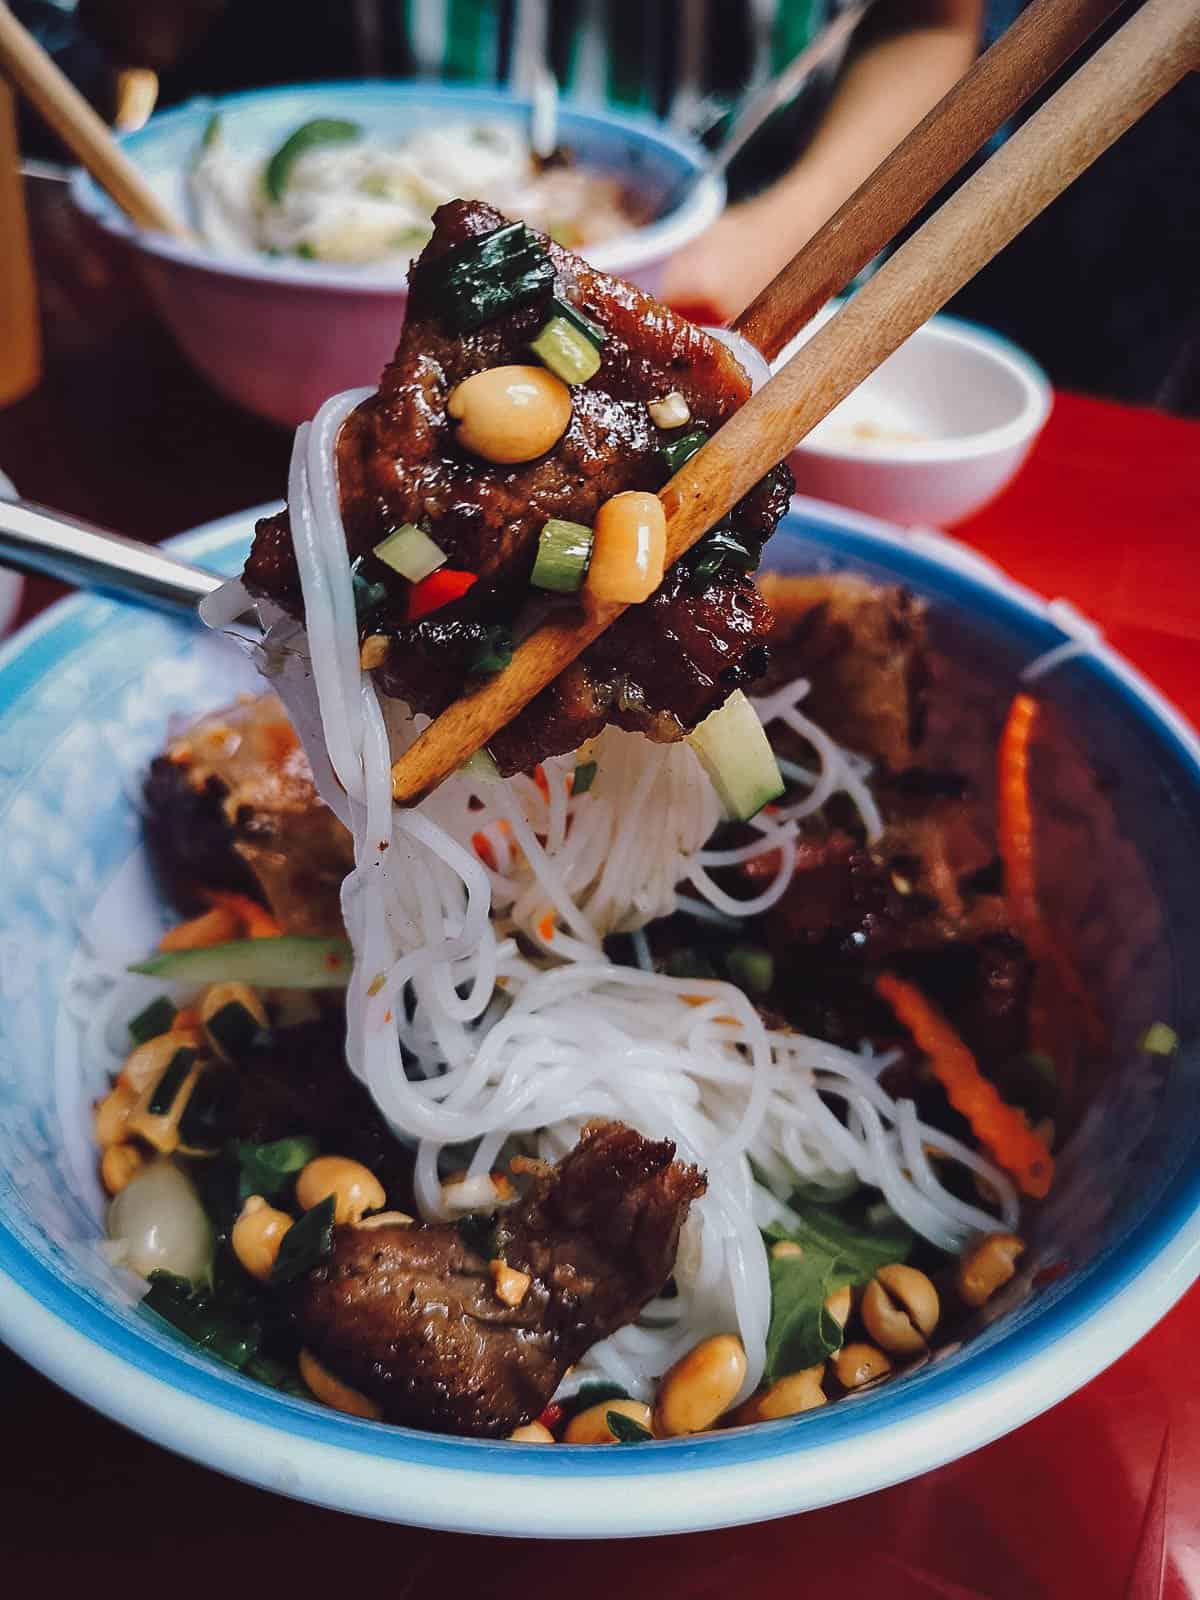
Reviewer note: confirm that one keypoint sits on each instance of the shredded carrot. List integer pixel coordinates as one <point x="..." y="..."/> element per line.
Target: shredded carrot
<point x="546" y="928"/>
<point x="1002" y="1130"/>
<point x="543" y="783"/>
<point x="217" y="926"/>
<point x="1019" y="855"/>
<point x="482" y="847"/>
<point x="254" y="922"/>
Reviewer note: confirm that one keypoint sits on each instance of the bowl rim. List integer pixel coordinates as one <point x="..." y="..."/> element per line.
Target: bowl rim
<point x="702" y="203"/>
<point x="776" y="1469"/>
<point x="1037" y="401"/>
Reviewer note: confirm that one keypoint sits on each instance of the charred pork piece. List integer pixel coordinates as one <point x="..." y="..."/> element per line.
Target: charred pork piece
<point x="231" y="805"/>
<point x="423" y="1320"/>
<point x="402" y="462"/>
<point x="862" y="647"/>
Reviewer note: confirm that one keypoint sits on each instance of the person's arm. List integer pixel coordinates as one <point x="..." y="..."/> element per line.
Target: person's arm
<point x="905" y="56"/>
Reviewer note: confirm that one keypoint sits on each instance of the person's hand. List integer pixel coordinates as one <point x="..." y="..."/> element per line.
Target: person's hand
<point x="723" y="270"/>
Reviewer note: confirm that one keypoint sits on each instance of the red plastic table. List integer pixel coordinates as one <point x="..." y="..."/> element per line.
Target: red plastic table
<point x="1098" y="1498"/>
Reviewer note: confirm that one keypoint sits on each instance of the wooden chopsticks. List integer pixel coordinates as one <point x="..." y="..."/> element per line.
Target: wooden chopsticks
<point x="1023" y="59"/>
<point x="56" y="98"/>
<point x="1133" y="70"/>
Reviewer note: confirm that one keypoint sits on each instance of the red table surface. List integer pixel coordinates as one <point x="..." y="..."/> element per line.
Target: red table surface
<point x="1099" y="1497"/>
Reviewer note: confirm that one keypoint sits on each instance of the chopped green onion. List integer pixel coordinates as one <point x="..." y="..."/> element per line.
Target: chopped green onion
<point x="307" y="1242"/>
<point x="625" y="1429"/>
<point x="168" y="1086"/>
<point x="199" y="1318"/>
<point x="410" y="552"/>
<point x="717" y="551"/>
<point x="289" y="962"/>
<point x="1160" y="1039"/>
<point x="583" y="777"/>
<point x="212" y="1106"/>
<point x="212" y="131"/>
<point x="494" y="650"/>
<point x="563" y="553"/>
<point x="681" y="450"/>
<point x="751" y="968"/>
<point x="481" y="767"/>
<point x="234" y="1028"/>
<point x="306" y="250"/>
<point x="488" y="277"/>
<point x="269" y="1169"/>
<point x="736" y="753"/>
<point x="579" y="320"/>
<point x="368" y="595"/>
<point x="155" y="1019"/>
<point x="568" y="344"/>
<point x="309" y="136"/>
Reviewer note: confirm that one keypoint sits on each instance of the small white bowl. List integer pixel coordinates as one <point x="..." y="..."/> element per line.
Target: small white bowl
<point x="279" y="336"/>
<point x="934" y="433"/>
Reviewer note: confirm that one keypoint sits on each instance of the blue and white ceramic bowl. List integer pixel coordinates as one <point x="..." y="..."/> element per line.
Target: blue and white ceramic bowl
<point x="85" y="697"/>
<point x="279" y="336"/>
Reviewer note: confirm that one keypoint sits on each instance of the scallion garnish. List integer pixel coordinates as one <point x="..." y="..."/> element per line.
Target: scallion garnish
<point x="718" y="551"/>
<point x="751" y="968"/>
<point x="168" y="1086"/>
<point x="625" y="1430"/>
<point x="564" y="550"/>
<point x="308" y="136"/>
<point x="493" y="651"/>
<point x="306" y="1243"/>
<point x="410" y="552"/>
<point x="568" y="342"/>
<point x="583" y="777"/>
<point x="681" y="450"/>
<point x="485" y="278"/>
<point x="212" y="131"/>
<point x="368" y="595"/>
<point x="155" y="1019"/>
<point x="233" y="1029"/>
<point x="199" y="1318"/>
<point x="209" y="1115"/>
<point x="270" y="1169"/>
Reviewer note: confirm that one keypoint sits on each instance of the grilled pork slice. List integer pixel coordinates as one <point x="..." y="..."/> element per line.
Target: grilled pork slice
<point x="231" y="805"/>
<point x="669" y="661"/>
<point x="411" y="1315"/>
<point x="862" y="647"/>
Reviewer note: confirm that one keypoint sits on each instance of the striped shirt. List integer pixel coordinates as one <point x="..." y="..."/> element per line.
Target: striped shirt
<point x="686" y="61"/>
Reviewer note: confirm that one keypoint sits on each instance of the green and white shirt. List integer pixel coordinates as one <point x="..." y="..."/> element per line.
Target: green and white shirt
<point x="686" y="61"/>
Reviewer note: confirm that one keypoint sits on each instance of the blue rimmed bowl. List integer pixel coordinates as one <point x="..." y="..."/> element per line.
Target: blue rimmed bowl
<point x="85" y="697"/>
<point x="279" y="335"/>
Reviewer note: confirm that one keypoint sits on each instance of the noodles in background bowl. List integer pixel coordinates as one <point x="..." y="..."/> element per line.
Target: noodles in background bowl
<point x="464" y="1036"/>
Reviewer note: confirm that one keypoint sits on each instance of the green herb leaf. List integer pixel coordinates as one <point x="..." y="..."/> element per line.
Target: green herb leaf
<point x="154" y="1020"/>
<point x="680" y="451"/>
<point x="201" y="1319"/>
<point x="209" y="1115"/>
<point x="306" y="1243"/>
<point x="834" y="1253"/>
<point x="625" y="1429"/>
<point x="169" y="1085"/>
<point x="308" y="136"/>
<point x="270" y="1169"/>
<point x="485" y="278"/>
<point x="493" y="652"/>
<point x="234" y="1028"/>
<point x="583" y="777"/>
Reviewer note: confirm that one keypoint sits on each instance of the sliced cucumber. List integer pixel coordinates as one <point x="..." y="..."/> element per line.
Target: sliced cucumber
<point x="411" y="552"/>
<point x="290" y="962"/>
<point x="734" y="750"/>
<point x="308" y="136"/>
